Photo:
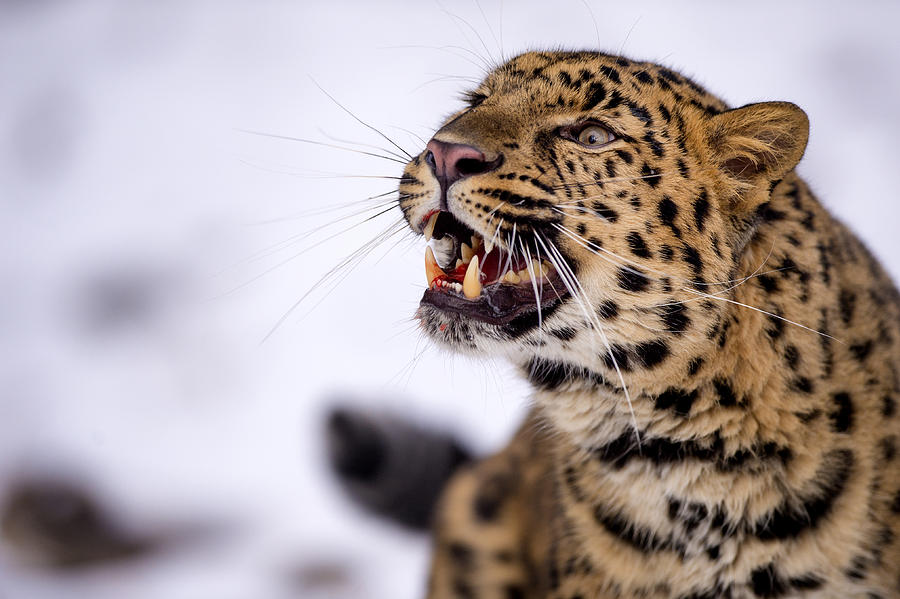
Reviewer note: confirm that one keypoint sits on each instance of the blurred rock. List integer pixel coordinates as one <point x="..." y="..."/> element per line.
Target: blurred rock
<point x="57" y="524"/>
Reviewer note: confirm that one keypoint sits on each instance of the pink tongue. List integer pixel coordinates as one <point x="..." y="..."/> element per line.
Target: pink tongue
<point x="494" y="265"/>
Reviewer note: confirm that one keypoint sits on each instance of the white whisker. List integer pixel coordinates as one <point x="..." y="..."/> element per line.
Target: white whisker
<point x="321" y="143"/>
<point x="351" y="260"/>
<point x="760" y="310"/>
<point x="565" y="272"/>
<point x="638" y="269"/>
<point x="305" y="250"/>
<point x="360" y="121"/>
<point x="387" y="151"/>
<point x="534" y="277"/>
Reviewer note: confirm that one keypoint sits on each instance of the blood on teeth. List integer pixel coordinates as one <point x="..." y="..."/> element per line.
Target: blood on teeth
<point x="432" y="270"/>
<point x="429" y="227"/>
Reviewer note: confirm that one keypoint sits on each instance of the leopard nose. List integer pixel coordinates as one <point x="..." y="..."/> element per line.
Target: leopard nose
<point x="451" y="162"/>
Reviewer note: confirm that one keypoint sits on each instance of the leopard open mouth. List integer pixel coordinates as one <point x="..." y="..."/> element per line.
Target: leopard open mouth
<point x="480" y="278"/>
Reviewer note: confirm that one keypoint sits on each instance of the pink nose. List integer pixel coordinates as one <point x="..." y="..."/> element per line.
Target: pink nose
<point x="451" y="162"/>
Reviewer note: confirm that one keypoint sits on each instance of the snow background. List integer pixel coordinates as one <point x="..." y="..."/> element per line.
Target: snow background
<point x="135" y="218"/>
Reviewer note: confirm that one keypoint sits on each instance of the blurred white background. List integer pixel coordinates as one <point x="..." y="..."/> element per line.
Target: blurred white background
<point x="147" y="247"/>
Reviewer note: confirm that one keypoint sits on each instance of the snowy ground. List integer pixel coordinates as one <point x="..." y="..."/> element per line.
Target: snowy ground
<point x="139" y="269"/>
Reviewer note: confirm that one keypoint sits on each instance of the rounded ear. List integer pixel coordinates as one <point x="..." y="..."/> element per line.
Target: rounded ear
<point x="758" y="144"/>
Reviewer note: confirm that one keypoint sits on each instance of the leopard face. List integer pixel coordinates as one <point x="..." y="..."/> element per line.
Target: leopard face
<point x="590" y="208"/>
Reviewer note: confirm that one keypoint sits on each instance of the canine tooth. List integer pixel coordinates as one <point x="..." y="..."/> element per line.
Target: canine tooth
<point x="471" y="286"/>
<point x="488" y="246"/>
<point x="429" y="227"/>
<point x="432" y="270"/>
<point x="466" y="252"/>
<point x="511" y="277"/>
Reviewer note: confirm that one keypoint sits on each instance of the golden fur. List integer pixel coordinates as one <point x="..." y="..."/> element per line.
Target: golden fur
<point x="754" y="452"/>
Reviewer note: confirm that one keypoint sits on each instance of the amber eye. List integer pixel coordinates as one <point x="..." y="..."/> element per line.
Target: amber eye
<point x="594" y="136"/>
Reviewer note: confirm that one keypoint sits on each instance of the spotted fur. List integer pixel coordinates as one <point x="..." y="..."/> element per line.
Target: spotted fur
<point x="755" y="451"/>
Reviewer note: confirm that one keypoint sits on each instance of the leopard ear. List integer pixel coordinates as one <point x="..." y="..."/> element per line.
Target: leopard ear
<point x="757" y="144"/>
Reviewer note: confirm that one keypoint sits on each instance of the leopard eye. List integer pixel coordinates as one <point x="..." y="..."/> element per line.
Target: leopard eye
<point x="594" y="136"/>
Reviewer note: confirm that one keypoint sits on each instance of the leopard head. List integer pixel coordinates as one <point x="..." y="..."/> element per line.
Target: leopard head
<point x="584" y="207"/>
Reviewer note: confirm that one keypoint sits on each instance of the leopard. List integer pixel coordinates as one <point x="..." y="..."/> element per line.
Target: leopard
<point x="713" y="356"/>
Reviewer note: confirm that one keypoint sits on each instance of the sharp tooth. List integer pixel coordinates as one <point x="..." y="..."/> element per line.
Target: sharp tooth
<point x="488" y="246"/>
<point x="429" y="227"/>
<point x="476" y="241"/>
<point x="445" y="249"/>
<point x="537" y="268"/>
<point x="472" y="283"/>
<point x="432" y="270"/>
<point x="466" y="252"/>
<point x="524" y="275"/>
<point x="511" y="277"/>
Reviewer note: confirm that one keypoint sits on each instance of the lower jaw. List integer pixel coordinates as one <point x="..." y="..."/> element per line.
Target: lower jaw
<point x="498" y="306"/>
